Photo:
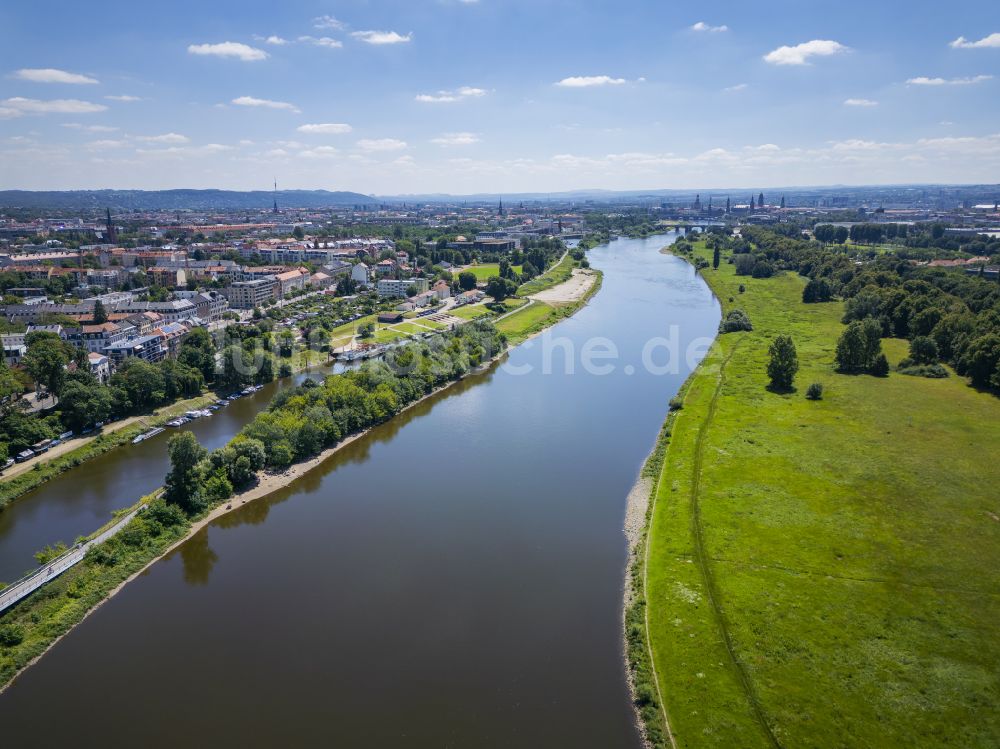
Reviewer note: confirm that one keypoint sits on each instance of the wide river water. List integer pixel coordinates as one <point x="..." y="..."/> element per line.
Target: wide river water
<point x="453" y="579"/>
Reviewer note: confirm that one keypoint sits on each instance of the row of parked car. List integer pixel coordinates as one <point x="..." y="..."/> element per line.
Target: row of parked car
<point x="37" y="449"/>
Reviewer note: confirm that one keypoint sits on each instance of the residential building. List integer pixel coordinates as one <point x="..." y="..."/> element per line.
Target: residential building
<point x="14" y="348"/>
<point x="393" y="287"/>
<point x="320" y="280"/>
<point x="100" y="366"/>
<point x="250" y="294"/>
<point x="293" y="280"/>
<point x="96" y="338"/>
<point x="361" y="274"/>
<point x="147" y="347"/>
<point x="442" y="290"/>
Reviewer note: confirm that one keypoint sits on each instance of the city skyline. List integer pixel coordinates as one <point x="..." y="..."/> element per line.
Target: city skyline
<point x="397" y="98"/>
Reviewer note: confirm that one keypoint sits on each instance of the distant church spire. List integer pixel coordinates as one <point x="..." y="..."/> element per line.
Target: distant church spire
<point x="760" y="200"/>
<point x="727" y="204"/>
<point x="112" y="234"/>
<point x="500" y="208"/>
<point x="782" y="201"/>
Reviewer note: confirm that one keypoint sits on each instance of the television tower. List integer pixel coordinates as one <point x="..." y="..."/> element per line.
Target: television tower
<point x="275" y="196"/>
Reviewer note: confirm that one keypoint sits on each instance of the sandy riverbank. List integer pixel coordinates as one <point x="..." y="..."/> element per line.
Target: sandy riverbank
<point x="572" y="290"/>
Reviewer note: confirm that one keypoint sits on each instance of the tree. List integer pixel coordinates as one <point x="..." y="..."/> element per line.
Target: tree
<point x="784" y="363"/>
<point x="735" y="320"/>
<point x="142" y="382"/>
<point x="83" y="404"/>
<point x="880" y="367"/>
<point x="241" y="472"/>
<point x="500" y="288"/>
<point x="981" y="360"/>
<point x="815" y="392"/>
<point x="183" y="482"/>
<point x="923" y="350"/>
<point x="467" y="280"/>
<point x="859" y="346"/>
<point x="46" y="360"/>
<point x="716" y="257"/>
<point x="298" y="233"/>
<point x="817" y="290"/>
<point x="198" y="352"/>
<point x="100" y="314"/>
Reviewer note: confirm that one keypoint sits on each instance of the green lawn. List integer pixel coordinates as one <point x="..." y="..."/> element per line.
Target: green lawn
<point x="469" y="311"/>
<point x="483" y="271"/>
<point x="825" y="574"/>
<point x="558" y="273"/>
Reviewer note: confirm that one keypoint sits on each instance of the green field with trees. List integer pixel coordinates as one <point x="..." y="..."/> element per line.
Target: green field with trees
<point x="822" y="558"/>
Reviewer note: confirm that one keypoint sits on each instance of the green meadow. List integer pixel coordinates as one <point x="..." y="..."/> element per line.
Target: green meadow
<point x="821" y="573"/>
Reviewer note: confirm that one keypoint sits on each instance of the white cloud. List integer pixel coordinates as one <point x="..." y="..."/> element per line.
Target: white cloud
<point x="737" y="87"/>
<point x="800" y="53"/>
<point x="252" y="101"/>
<point x="171" y="138"/>
<point x="381" y="37"/>
<point x="240" y="51"/>
<point x="320" y="152"/>
<point x="445" y="97"/>
<point x="993" y="40"/>
<point x="9" y="113"/>
<point x="925" y="81"/>
<point x="702" y="26"/>
<point x="381" y="144"/>
<point x="104" y="145"/>
<point x="327" y="22"/>
<point x="323" y="41"/>
<point x="325" y="128"/>
<point x="456" y="139"/>
<point x="90" y="128"/>
<point x="52" y="75"/>
<point x="123" y="97"/>
<point x="860" y="103"/>
<point x="51" y="106"/>
<point x="586" y="81"/>
<point x="275" y="40"/>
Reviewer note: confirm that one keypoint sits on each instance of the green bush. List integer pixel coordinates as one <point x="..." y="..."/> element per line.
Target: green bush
<point x="814" y="392"/>
<point x="11" y="635"/>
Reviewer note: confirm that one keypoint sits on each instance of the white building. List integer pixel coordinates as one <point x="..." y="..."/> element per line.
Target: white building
<point x="397" y="287"/>
<point x="361" y="274"/>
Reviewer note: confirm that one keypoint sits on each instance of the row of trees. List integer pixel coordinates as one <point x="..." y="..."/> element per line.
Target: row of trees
<point x="958" y="311"/>
<point x="303" y="421"/>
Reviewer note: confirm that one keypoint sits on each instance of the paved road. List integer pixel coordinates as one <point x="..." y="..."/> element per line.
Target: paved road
<point x="28" y="585"/>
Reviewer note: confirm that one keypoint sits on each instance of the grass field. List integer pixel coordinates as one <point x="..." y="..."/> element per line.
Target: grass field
<point x="558" y="273"/>
<point x="469" y="311"/>
<point x="824" y="574"/>
<point x="484" y="271"/>
<point x="532" y="318"/>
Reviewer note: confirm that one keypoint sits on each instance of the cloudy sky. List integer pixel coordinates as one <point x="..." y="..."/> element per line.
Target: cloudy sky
<point x="459" y="96"/>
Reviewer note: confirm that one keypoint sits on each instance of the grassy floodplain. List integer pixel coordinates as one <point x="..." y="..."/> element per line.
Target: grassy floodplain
<point x="820" y="574"/>
<point x="484" y="271"/>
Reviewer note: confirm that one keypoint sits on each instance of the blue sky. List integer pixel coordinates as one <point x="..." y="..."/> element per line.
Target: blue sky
<point x="404" y="96"/>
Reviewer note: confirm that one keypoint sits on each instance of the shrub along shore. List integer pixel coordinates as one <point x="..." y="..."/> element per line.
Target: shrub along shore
<point x="820" y="564"/>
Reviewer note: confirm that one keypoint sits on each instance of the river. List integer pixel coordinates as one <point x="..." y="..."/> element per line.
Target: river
<point x="453" y="579"/>
<point x="81" y="500"/>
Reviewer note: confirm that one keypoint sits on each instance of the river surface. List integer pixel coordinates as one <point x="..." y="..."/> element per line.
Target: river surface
<point x="453" y="579"/>
<point x="79" y="501"/>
